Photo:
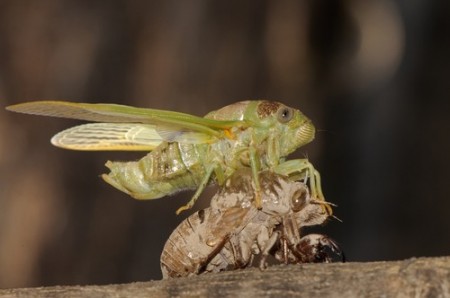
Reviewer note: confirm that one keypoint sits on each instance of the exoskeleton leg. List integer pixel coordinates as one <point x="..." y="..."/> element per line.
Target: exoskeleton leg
<point x="266" y="250"/>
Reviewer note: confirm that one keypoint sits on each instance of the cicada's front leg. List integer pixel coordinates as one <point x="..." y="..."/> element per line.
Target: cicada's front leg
<point x="305" y="169"/>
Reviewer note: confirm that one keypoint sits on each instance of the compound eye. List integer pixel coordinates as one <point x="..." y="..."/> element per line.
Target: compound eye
<point x="298" y="199"/>
<point x="285" y="114"/>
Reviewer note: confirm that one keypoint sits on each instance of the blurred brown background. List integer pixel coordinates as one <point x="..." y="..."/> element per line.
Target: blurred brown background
<point x="373" y="76"/>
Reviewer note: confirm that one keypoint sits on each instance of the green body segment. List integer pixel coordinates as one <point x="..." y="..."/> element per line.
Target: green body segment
<point x="173" y="167"/>
<point x="170" y="168"/>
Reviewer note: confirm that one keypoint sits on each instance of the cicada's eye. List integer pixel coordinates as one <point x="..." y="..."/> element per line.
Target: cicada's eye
<point x="285" y="114"/>
<point x="298" y="199"/>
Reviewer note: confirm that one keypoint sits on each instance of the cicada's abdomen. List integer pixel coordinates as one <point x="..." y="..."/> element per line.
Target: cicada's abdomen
<point x="170" y="168"/>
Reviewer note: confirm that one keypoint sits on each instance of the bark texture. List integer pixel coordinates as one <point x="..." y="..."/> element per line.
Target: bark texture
<point x="416" y="277"/>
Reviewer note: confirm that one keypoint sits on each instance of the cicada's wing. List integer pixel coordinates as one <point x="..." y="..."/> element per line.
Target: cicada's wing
<point x="122" y="137"/>
<point x="126" y="114"/>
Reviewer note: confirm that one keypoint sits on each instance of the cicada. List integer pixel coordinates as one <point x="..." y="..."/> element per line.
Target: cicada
<point x="229" y="234"/>
<point x="186" y="151"/>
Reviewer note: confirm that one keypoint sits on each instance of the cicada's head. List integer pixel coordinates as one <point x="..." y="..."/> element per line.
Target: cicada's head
<point x="290" y="127"/>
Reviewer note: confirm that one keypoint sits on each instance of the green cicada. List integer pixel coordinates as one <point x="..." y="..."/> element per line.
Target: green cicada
<point x="186" y="151"/>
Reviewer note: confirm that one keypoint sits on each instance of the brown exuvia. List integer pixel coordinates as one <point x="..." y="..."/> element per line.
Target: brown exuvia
<point x="232" y="232"/>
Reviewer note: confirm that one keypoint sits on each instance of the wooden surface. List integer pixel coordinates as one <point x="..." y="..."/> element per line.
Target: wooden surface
<point x="421" y="277"/>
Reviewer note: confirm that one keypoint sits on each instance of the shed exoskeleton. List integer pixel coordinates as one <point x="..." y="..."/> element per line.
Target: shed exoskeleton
<point x="229" y="234"/>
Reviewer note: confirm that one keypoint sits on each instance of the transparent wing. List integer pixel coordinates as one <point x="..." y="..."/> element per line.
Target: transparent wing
<point x="125" y="114"/>
<point x="122" y="136"/>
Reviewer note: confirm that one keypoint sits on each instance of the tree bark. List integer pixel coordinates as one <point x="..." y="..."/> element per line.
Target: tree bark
<point x="416" y="277"/>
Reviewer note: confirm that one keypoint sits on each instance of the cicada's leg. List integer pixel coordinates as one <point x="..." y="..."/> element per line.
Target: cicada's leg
<point x="304" y="167"/>
<point x="254" y="164"/>
<point x="220" y="175"/>
<point x="265" y="251"/>
<point x="199" y="190"/>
